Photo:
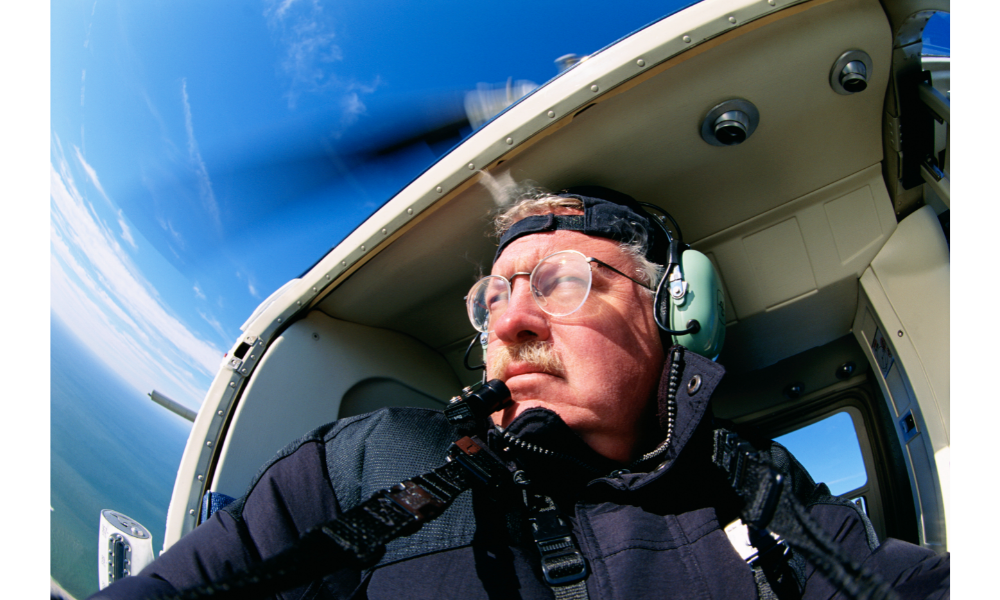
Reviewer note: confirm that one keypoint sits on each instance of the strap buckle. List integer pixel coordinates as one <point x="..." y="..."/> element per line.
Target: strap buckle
<point x="562" y="562"/>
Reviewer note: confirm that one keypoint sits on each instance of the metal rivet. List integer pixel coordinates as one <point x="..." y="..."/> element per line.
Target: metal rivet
<point x="687" y="39"/>
<point x="232" y="384"/>
<point x="510" y="141"/>
<point x="641" y="62"/>
<point x="899" y="333"/>
<point x="252" y="357"/>
<point x="845" y="370"/>
<point x="362" y="248"/>
<point x="771" y="2"/>
<point x="278" y="320"/>
<point x="208" y="443"/>
<point x="200" y="478"/>
<point x="327" y="276"/>
<point x="191" y="512"/>
<point x="244" y="371"/>
<point x="219" y="413"/>
<point x="694" y="384"/>
<point x="732" y="20"/>
<point x="409" y="211"/>
<point x="794" y="391"/>
<point x="298" y="303"/>
<point x="552" y="114"/>
<point x="343" y="263"/>
<point x="383" y="231"/>
<point x="439" y="189"/>
<point x="472" y="167"/>
<point x="314" y="288"/>
<point x="593" y="88"/>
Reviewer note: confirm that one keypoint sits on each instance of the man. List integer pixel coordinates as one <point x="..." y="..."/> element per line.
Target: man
<point x="607" y="446"/>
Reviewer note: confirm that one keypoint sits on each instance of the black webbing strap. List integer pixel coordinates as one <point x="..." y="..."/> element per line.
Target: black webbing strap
<point x="771" y="505"/>
<point x="357" y="539"/>
<point x="563" y="565"/>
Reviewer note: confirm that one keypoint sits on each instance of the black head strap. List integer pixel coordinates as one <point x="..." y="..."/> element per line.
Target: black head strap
<point x="607" y="214"/>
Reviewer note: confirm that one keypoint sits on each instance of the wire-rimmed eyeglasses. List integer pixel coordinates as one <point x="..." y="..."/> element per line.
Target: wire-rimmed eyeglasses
<point x="560" y="284"/>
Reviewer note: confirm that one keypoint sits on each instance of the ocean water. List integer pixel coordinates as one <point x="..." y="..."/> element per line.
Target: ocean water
<point x="112" y="447"/>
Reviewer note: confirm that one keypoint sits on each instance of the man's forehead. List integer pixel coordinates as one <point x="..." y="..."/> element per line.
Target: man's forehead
<point x="522" y="254"/>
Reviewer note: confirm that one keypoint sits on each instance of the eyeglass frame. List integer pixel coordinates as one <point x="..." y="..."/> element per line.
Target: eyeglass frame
<point x="510" y="283"/>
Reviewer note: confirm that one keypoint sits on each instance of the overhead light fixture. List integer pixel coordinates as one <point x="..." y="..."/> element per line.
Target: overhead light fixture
<point x="730" y="123"/>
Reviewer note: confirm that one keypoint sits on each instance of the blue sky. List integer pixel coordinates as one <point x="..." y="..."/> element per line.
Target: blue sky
<point x="180" y="198"/>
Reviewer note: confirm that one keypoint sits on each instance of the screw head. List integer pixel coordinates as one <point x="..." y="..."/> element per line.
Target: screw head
<point x="899" y="333"/>
<point x="794" y="390"/>
<point x="845" y="370"/>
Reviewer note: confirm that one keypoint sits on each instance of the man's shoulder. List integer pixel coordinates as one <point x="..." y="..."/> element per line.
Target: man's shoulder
<point x="368" y="452"/>
<point x="399" y="427"/>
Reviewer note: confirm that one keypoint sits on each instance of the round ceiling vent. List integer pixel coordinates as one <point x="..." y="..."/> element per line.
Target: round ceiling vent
<point x="851" y="72"/>
<point x="730" y="123"/>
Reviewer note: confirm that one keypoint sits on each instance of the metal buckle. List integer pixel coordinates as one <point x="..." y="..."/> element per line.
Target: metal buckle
<point x="554" y="566"/>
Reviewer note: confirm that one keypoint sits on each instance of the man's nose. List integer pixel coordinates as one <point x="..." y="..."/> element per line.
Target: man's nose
<point x="523" y="320"/>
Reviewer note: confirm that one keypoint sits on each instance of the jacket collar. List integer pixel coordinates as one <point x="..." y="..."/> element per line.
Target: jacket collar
<point x="548" y="450"/>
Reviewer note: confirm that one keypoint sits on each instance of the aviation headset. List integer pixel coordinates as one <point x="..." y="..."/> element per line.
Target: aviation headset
<point x="689" y="305"/>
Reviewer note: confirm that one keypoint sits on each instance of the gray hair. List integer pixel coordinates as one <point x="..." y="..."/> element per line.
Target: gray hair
<point x="528" y="199"/>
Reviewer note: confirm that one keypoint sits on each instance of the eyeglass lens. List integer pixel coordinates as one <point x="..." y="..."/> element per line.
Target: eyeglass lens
<point x="560" y="284"/>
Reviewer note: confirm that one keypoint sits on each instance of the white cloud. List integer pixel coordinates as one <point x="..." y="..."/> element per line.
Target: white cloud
<point x="91" y="175"/>
<point x="309" y="44"/>
<point x="126" y="231"/>
<point x="198" y="293"/>
<point x="216" y="325"/>
<point x="201" y="172"/>
<point x="99" y="292"/>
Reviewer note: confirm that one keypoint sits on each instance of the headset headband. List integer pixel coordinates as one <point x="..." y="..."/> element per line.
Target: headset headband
<point x="606" y="213"/>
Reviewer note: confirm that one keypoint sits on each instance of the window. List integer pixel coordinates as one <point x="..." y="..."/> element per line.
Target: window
<point x="830" y="451"/>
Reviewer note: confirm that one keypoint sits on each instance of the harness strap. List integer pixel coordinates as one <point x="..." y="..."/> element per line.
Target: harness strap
<point x="563" y="565"/>
<point x="771" y="505"/>
<point x="357" y="539"/>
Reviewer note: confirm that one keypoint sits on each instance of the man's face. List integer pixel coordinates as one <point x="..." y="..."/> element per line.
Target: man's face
<point x="609" y="349"/>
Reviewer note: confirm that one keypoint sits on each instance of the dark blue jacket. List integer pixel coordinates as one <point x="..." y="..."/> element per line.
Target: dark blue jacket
<point x="651" y="533"/>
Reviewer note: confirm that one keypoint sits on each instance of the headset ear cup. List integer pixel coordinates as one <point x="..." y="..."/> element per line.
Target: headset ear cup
<point x="703" y="302"/>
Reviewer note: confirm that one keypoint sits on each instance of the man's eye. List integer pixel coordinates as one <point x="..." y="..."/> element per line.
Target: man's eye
<point x="561" y="284"/>
<point x="496" y="299"/>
